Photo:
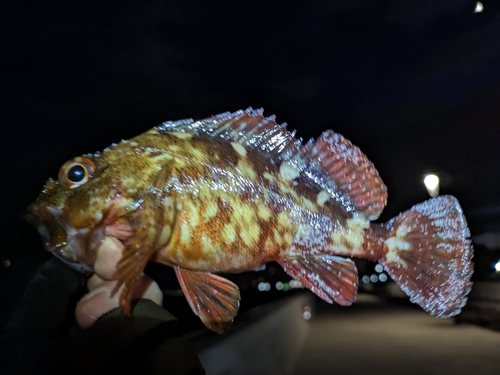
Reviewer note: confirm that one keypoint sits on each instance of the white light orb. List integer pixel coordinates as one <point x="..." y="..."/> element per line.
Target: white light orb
<point x="497" y="266"/>
<point x="431" y="182"/>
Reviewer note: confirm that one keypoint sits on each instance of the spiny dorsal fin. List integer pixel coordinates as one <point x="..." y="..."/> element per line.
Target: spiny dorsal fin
<point x="249" y="127"/>
<point x="332" y="162"/>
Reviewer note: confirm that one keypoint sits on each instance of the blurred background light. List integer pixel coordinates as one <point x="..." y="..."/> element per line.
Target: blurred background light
<point x="497" y="266"/>
<point x="264" y="287"/>
<point x="373" y="278"/>
<point x="479" y="7"/>
<point x="379" y="268"/>
<point x="365" y="279"/>
<point x="307" y="314"/>
<point x="295" y="284"/>
<point x="431" y="182"/>
<point x="382" y="277"/>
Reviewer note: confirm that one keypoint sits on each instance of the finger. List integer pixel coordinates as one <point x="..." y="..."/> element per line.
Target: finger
<point x="147" y="288"/>
<point x="96" y="303"/>
<point x="108" y="255"/>
<point x="94" y="282"/>
<point x="99" y="301"/>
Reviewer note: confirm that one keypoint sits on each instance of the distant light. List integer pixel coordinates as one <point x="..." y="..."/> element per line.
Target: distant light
<point x="431" y="182"/>
<point x="295" y="284"/>
<point x="365" y="279"/>
<point x="286" y="287"/>
<point x="382" y="277"/>
<point x="379" y="268"/>
<point x="264" y="287"/>
<point x="479" y="7"/>
<point x="307" y="313"/>
<point x="497" y="266"/>
<point x="6" y="263"/>
<point x="279" y="285"/>
<point x="373" y="278"/>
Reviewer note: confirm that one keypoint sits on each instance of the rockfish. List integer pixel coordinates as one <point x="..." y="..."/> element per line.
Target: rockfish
<point x="232" y="192"/>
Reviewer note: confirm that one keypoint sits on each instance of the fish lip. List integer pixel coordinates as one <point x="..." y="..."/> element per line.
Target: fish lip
<point x="45" y="218"/>
<point x="37" y="216"/>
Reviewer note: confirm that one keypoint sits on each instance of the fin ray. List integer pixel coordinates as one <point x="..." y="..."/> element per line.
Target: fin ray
<point x="144" y="244"/>
<point x="331" y="278"/>
<point x="249" y="127"/>
<point x="354" y="176"/>
<point x="211" y="297"/>
<point x="428" y="253"/>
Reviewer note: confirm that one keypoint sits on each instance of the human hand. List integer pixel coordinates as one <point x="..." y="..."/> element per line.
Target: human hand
<point x="37" y="339"/>
<point x="101" y="284"/>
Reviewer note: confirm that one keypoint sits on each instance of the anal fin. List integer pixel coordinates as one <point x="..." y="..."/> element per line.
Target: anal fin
<point x="331" y="278"/>
<point x="213" y="298"/>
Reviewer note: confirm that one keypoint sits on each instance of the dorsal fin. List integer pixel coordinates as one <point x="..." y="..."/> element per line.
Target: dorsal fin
<point x="355" y="177"/>
<point x="249" y="127"/>
<point x="333" y="163"/>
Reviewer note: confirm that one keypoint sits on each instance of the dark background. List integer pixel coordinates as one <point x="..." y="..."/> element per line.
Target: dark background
<point x="414" y="84"/>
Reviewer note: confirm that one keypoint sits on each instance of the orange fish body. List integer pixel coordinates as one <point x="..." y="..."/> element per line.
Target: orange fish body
<point x="235" y="191"/>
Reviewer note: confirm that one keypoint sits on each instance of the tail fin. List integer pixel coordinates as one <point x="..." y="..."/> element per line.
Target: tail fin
<point x="428" y="254"/>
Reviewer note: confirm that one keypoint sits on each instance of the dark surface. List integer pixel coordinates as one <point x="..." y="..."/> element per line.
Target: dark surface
<point x="375" y="337"/>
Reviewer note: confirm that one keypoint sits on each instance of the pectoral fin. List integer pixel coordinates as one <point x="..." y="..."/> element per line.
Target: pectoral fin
<point x="154" y="215"/>
<point x="213" y="298"/>
<point x="329" y="277"/>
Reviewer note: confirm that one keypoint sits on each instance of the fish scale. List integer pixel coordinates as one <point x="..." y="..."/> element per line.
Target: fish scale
<point x="240" y="216"/>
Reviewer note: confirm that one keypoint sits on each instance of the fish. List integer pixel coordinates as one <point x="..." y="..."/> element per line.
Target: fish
<point x="234" y="191"/>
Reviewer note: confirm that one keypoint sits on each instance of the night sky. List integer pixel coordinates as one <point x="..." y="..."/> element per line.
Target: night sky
<point x="414" y="84"/>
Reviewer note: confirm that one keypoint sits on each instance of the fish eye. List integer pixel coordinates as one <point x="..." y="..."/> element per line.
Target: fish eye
<point x="76" y="172"/>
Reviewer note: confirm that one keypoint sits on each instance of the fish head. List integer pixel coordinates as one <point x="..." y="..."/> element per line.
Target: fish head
<point x="91" y="193"/>
<point x="64" y="212"/>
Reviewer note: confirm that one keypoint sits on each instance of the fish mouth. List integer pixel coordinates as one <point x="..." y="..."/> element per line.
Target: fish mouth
<point x="59" y="236"/>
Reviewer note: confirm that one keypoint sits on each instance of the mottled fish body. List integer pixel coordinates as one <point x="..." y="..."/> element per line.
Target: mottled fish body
<point x="235" y="191"/>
